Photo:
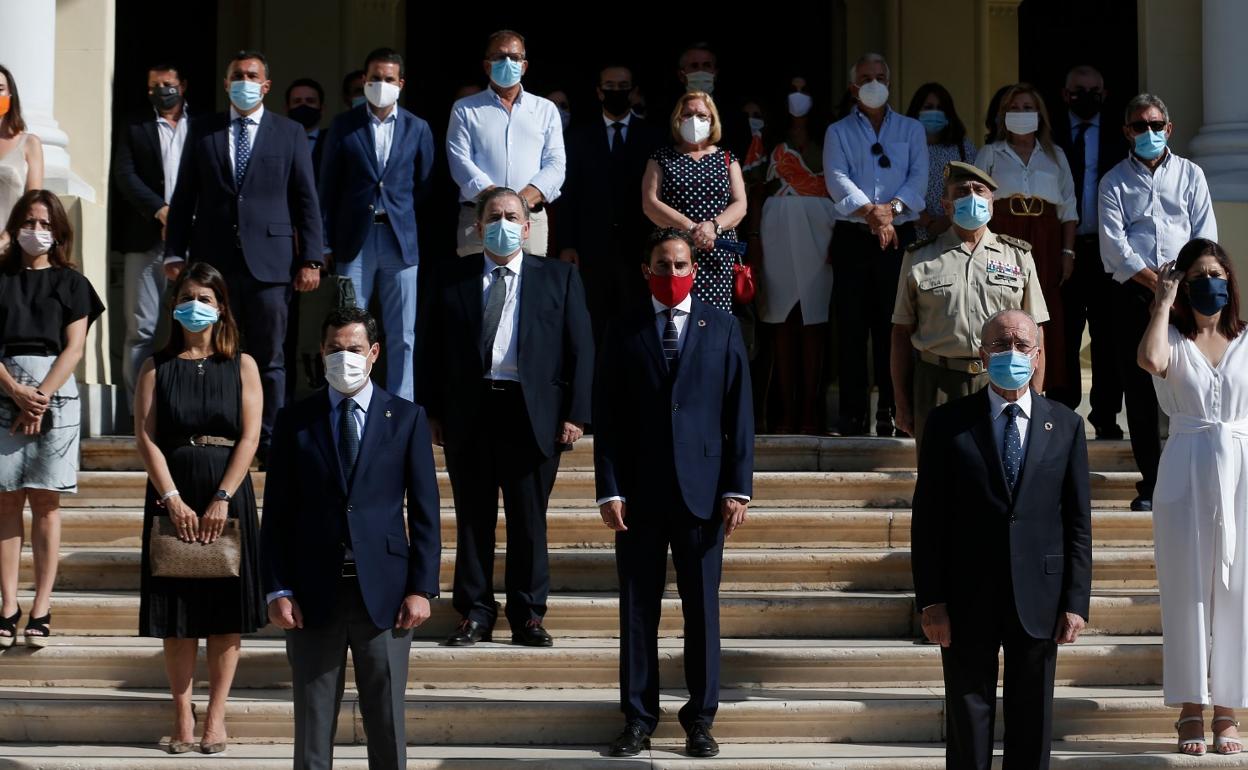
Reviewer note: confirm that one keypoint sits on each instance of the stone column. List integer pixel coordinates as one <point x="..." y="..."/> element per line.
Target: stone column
<point x="1221" y="147"/>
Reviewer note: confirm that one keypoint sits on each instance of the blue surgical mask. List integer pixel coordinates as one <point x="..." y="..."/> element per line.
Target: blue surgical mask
<point x="971" y="212"/>
<point x="934" y="121"/>
<point x="195" y="316"/>
<point x="358" y="101"/>
<point x="245" y="94"/>
<point x="503" y="237"/>
<point x="1010" y="370"/>
<point x="1150" y="145"/>
<point x="1208" y="295"/>
<point x="506" y="72"/>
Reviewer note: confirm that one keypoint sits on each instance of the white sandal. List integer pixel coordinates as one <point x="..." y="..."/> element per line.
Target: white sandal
<point x="1221" y="740"/>
<point x="1185" y="742"/>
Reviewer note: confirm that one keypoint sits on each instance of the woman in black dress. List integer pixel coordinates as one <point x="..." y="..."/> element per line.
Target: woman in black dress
<point x="697" y="187"/>
<point x="197" y="423"/>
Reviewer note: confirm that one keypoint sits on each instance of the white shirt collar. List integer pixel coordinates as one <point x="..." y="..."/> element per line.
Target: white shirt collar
<point x="362" y="399"/>
<point x="513" y="264"/>
<point x="391" y="118"/>
<point x="684" y="306"/>
<point x="997" y="403"/>
<point x="499" y="100"/>
<point x="256" y="116"/>
<point x="610" y="121"/>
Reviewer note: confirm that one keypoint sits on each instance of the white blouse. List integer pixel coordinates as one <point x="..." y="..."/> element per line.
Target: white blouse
<point x="1042" y="176"/>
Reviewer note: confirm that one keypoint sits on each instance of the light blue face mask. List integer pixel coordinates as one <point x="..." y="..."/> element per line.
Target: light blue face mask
<point x="1010" y="370"/>
<point x="195" y="316"/>
<point x="506" y="72"/>
<point x="358" y="101"/>
<point x="245" y="94"/>
<point x="971" y="212"/>
<point x="503" y="237"/>
<point x="934" y="121"/>
<point x="1150" y="145"/>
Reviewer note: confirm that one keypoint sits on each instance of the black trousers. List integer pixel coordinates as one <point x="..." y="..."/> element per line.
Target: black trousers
<point x="1087" y="298"/>
<point x="1132" y="303"/>
<point x="261" y="311"/>
<point x="971" y="671"/>
<point x="863" y="295"/>
<point x="641" y="561"/>
<point x="501" y="455"/>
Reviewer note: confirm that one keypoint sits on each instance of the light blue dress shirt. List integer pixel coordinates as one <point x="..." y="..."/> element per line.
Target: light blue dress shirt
<point x="854" y="175"/>
<point x="487" y="146"/>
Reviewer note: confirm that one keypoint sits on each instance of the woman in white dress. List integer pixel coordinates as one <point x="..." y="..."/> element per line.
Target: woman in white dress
<point x="1195" y="351"/>
<point x="21" y="154"/>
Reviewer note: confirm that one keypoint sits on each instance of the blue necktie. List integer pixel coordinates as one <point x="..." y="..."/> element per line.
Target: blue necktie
<point x="671" y="338"/>
<point x="1012" y="452"/>
<point x="348" y="438"/>
<point x="242" y="149"/>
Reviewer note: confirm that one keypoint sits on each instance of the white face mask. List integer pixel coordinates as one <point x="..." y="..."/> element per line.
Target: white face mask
<point x="1022" y="122"/>
<point x="345" y="371"/>
<point x="35" y="242"/>
<point x="695" y="130"/>
<point x="381" y="94"/>
<point x="800" y="104"/>
<point x="873" y="95"/>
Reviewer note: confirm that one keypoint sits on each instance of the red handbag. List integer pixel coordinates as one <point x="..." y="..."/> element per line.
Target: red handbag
<point x="744" y="286"/>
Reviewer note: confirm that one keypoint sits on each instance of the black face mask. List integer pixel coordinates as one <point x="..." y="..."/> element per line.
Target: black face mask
<point x="164" y="98"/>
<point x="1086" y="104"/>
<point x="615" y="102"/>
<point x="305" y="115"/>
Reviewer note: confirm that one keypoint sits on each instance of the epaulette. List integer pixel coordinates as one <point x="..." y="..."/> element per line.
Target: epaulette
<point x="1019" y="242"/>
<point x="920" y="244"/>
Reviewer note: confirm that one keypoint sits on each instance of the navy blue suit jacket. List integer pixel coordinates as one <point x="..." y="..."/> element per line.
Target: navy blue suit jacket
<point x="351" y="181"/>
<point x="970" y="534"/>
<point x="275" y="217"/>
<point x="138" y="178"/>
<point x="556" y="351"/>
<point x="309" y="508"/>
<point x="698" y="419"/>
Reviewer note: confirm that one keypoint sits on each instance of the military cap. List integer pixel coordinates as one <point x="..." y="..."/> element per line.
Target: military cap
<point x="957" y="171"/>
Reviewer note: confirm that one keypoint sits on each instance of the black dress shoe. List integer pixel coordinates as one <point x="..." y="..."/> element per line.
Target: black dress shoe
<point x="532" y="635"/>
<point x="1142" y="503"/>
<point x="468" y="633"/>
<point x="630" y="742"/>
<point x="699" y="743"/>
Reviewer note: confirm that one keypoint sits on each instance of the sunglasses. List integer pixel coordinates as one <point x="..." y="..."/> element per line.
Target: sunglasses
<point x="878" y="149"/>
<point x="1140" y="126"/>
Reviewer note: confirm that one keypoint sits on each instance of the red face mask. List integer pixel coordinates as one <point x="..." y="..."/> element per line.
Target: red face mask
<point x="670" y="290"/>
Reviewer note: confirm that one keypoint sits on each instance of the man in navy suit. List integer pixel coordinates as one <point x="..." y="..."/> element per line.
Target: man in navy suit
<point x="341" y="568"/>
<point x="246" y="204"/>
<point x="506" y="373"/>
<point x="673" y="460"/>
<point x="1002" y="548"/>
<point x="377" y="167"/>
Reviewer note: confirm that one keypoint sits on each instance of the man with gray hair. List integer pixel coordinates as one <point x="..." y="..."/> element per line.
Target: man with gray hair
<point x="1151" y="204"/>
<point x="875" y="166"/>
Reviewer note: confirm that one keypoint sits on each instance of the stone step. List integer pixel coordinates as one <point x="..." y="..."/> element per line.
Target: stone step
<point x="573" y="527"/>
<point x="1152" y="753"/>
<point x="745" y="614"/>
<point x="771" y="453"/>
<point x="581" y="663"/>
<point x="593" y="569"/>
<point x="575" y="489"/>
<point x="540" y="715"/>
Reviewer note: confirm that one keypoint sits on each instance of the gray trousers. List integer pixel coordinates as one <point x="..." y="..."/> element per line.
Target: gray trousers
<point x="935" y="385"/>
<point x="318" y="659"/>
<point x="144" y="298"/>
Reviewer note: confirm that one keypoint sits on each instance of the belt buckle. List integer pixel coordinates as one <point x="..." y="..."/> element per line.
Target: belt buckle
<point x="193" y="442"/>
<point x="976" y="367"/>
<point x="1022" y="206"/>
<point x="348" y="569"/>
<point x="497" y="385"/>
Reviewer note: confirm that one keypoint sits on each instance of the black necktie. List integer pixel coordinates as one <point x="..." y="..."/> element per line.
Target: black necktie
<point x="1078" y="152"/>
<point x="242" y="149"/>
<point x="493" y="315"/>
<point x="617" y="139"/>
<point x="671" y="338"/>
<point x="1012" y="451"/>
<point x="348" y="438"/>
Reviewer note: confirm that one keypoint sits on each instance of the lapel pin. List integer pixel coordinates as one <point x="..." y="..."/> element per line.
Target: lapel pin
<point x="702" y="322"/>
<point x="388" y="414"/>
<point x="1047" y="425"/>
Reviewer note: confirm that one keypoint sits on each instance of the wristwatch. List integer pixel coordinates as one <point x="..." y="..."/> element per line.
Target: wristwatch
<point x="897" y="206"/>
<point x="222" y="495"/>
<point x="314" y="265"/>
<point x="718" y="230"/>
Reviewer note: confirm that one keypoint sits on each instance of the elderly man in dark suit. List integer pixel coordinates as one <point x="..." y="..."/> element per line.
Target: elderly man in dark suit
<point x="673" y="460"/>
<point x="246" y="204"/>
<point x="506" y="371"/>
<point x="351" y="545"/>
<point x="1002" y="548"/>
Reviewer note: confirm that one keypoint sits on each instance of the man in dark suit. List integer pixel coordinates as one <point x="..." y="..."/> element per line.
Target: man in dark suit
<point x="305" y="104"/>
<point x="506" y="372"/>
<point x="341" y="568"/>
<point x="673" y="461"/>
<point x="246" y="204"/>
<point x="377" y="169"/>
<point x="1092" y="147"/>
<point x="1002" y="548"/>
<point x="601" y="224"/>
<point x="146" y="157"/>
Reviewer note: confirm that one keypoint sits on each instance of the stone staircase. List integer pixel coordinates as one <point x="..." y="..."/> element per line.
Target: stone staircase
<point x="820" y="667"/>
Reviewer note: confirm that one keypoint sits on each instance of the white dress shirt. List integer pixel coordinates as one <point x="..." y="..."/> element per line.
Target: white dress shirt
<point x="1091" y="165"/>
<point x="383" y="140"/>
<point x="853" y="173"/>
<point x="610" y="121"/>
<point x="1146" y="217"/>
<point x="487" y="146"/>
<point x="505" y="356"/>
<point x="362" y="400"/>
<point x="172" y="140"/>
<point x="252" y="129"/>
<point x="1044" y="175"/>
<point x="996" y="407"/>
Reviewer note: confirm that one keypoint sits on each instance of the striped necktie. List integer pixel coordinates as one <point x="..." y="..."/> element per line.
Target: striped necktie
<point x="671" y="338"/>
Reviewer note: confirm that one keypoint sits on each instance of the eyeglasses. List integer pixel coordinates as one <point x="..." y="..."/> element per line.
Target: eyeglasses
<point x="516" y="57"/>
<point x="1140" y="126"/>
<point x="878" y="149"/>
<point x="1000" y="346"/>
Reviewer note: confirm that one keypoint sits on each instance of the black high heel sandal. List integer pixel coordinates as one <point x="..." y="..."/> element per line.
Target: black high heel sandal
<point x="37" y="631"/>
<point x="9" y="624"/>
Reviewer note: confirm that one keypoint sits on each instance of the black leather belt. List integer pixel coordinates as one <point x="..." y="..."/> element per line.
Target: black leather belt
<point x="502" y="385"/>
<point x="381" y="218"/>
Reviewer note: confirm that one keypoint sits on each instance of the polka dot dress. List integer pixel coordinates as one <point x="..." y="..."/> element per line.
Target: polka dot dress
<point x="699" y="189"/>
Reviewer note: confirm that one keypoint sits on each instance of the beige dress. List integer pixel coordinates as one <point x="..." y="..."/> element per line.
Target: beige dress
<point x="13" y="170"/>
